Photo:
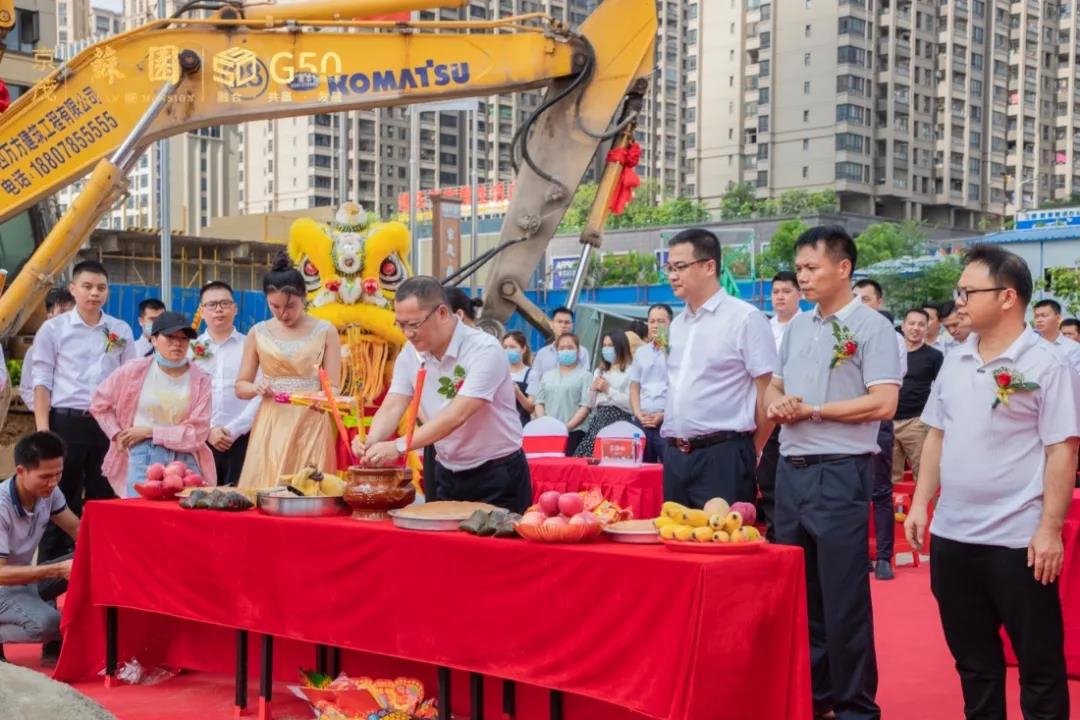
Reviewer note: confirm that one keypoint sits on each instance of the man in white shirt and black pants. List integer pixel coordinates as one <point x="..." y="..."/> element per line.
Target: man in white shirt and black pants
<point x="1004" y="417"/>
<point x="648" y="382"/>
<point x="839" y="376"/>
<point x="467" y="398"/>
<point x="73" y="354"/>
<point x="785" y="302"/>
<point x="219" y="351"/>
<point x="721" y="359"/>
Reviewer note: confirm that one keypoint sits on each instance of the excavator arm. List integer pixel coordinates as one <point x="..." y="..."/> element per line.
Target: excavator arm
<point x="248" y="63"/>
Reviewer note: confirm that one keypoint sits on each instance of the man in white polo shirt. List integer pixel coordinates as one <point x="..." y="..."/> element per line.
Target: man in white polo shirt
<point x="648" y="382"/>
<point x="1047" y="316"/>
<point x="1004" y="417"/>
<point x="839" y="376"/>
<point x="721" y="359"/>
<point x="468" y="399"/>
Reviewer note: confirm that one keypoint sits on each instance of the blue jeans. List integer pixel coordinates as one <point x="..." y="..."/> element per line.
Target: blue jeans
<point x="146" y="454"/>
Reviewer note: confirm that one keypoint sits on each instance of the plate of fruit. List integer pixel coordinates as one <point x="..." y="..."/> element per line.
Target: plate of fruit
<point x="715" y="528"/>
<point x="559" y="518"/>
<point x="164" y="482"/>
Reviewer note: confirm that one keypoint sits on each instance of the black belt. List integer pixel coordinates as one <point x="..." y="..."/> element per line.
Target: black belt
<point x="688" y="445"/>
<point x="805" y="461"/>
<point x="70" y="412"/>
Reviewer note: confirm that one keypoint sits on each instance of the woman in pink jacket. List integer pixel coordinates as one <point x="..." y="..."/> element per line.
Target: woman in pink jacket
<point x="156" y="410"/>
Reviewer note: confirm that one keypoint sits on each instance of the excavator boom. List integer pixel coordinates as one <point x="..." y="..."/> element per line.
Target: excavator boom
<point x="250" y="63"/>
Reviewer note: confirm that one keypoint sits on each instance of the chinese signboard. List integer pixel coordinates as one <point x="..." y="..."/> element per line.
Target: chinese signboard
<point x="1058" y="217"/>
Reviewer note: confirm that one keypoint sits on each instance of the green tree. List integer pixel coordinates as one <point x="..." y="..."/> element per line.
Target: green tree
<point x="1073" y="199"/>
<point x="736" y="259"/>
<point x="1065" y="285"/>
<point x="932" y="284"/>
<point x="888" y="241"/>
<point x="645" y="210"/>
<point x="780" y="253"/>
<point x="738" y="202"/>
<point x="622" y="269"/>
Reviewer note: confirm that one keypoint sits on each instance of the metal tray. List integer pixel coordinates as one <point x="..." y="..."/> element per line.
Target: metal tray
<point x="297" y="506"/>
<point x="430" y="524"/>
<point x="633" y="537"/>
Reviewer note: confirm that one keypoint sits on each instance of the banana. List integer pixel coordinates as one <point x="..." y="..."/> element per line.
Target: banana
<point x="695" y="518"/>
<point x="703" y="534"/>
<point x="684" y="532"/>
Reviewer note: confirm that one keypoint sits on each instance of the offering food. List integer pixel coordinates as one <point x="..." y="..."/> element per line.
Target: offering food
<point x="640" y="532"/>
<point x="444" y="510"/>
<point x="569" y="517"/>
<point x="491" y="523"/>
<point x="724" y="525"/>
<point x="312" y="482"/>
<point x="164" y="482"/>
<point x="217" y="499"/>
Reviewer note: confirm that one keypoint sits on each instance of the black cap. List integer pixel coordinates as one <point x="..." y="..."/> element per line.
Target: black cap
<point x="169" y="322"/>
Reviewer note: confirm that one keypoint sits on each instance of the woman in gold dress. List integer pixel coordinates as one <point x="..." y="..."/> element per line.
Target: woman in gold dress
<point x="289" y="349"/>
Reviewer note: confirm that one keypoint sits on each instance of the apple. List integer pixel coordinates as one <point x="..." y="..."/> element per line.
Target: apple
<point x="193" y="480"/>
<point x="534" y="518"/>
<point x="549" y="503"/>
<point x="176" y="468"/>
<point x="747" y="510"/>
<point x="716" y="506"/>
<point x="155" y="472"/>
<point x="172" y="483"/>
<point x="585" y="518"/>
<point x="556" y="521"/>
<point x="570" y="504"/>
<point x="153" y="484"/>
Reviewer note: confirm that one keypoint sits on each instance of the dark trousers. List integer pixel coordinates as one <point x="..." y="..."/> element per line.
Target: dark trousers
<point x="573" y="439"/>
<point x="431" y="473"/>
<point x="724" y="470"/>
<point x="825" y="509"/>
<point x="980" y="588"/>
<point x="882" y="494"/>
<point x="229" y="463"/>
<point x="766" y="482"/>
<point x="503" y="482"/>
<point x="655" y="446"/>
<point x="86" y="447"/>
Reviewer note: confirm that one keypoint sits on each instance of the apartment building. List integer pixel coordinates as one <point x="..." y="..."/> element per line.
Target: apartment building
<point x="955" y="113"/>
<point x="294" y="163"/>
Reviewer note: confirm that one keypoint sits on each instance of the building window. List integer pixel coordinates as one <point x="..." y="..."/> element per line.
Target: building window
<point x="849" y="54"/>
<point x="851" y="142"/>
<point x="850" y="171"/>
<point x="806" y="88"/>
<point x="763" y="151"/>
<point x="764" y="71"/>
<point x="763" y="95"/>
<point x="851" y="26"/>
<point x="806" y="116"/>
<point x="763" y="178"/>
<point x="806" y="59"/>
<point x="806" y="31"/>
<point x="805" y="171"/>
<point x="806" y="144"/>
<point x="850" y="113"/>
<point x="763" y="123"/>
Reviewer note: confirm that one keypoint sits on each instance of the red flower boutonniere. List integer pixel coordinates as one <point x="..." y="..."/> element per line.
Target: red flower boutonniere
<point x="1008" y="381"/>
<point x="845" y="347"/>
<point x="113" y="341"/>
<point x="201" y="350"/>
<point x="333" y="285"/>
<point x="449" y="386"/>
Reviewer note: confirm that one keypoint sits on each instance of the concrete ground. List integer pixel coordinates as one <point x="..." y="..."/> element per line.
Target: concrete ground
<point x="29" y="695"/>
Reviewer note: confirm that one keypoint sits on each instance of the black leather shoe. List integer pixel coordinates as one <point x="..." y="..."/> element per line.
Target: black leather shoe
<point x="884" y="570"/>
<point x="50" y="654"/>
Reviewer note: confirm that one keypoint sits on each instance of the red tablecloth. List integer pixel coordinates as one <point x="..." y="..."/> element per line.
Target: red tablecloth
<point x="1069" y="589"/>
<point x="639" y="488"/>
<point x="663" y="634"/>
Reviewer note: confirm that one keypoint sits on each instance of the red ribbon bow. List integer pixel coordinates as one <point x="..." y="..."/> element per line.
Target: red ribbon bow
<point x="628" y="157"/>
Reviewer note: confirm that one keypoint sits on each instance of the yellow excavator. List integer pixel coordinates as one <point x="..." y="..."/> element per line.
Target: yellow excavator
<point x="229" y="61"/>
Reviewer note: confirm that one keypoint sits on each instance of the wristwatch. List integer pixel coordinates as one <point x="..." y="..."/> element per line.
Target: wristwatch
<point x="401" y="446"/>
<point x="815" y="413"/>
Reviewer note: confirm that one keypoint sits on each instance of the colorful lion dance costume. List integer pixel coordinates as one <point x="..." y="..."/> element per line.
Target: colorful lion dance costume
<point x="353" y="268"/>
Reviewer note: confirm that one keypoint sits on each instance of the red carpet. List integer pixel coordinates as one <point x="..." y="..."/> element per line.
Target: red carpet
<point x="918" y="681"/>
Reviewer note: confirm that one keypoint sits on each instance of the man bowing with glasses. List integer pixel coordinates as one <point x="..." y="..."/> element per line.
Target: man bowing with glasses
<point x="468" y="398"/>
<point x="720" y="362"/>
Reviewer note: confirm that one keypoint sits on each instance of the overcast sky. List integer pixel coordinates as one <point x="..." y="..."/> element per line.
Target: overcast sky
<point x="114" y="5"/>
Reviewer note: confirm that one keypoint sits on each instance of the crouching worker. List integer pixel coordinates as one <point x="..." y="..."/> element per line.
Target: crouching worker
<point x="29" y="501"/>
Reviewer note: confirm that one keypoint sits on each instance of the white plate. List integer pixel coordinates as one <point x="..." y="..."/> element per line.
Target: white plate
<point x="636" y="537"/>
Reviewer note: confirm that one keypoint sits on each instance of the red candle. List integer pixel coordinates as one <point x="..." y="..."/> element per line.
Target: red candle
<point x="331" y="400"/>
<point x="414" y="405"/>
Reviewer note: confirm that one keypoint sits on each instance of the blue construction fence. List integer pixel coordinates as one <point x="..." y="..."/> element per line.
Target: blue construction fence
<point x="251" y="304"/>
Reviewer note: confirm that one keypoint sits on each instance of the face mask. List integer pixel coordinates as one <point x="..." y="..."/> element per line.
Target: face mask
<point x="146" y="328"/>
<point x="167" y="363"/>
<point x="514" y="356"/>
<point x="567" y="357"/>
<point x="608" y="354"/>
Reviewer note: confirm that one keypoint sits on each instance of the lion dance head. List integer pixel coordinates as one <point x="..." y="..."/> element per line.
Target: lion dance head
<point x="352" y="268"/>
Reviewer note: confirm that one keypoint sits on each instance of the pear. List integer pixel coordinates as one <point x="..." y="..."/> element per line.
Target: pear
<point x="717" y="506"/>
